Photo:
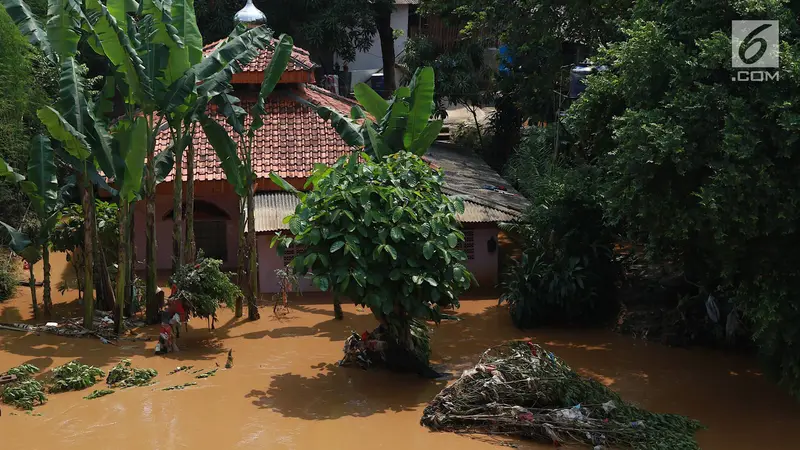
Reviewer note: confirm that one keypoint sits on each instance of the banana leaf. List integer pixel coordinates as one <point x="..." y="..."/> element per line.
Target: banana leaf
<point x="29" y="26"/>
<point x="226" y="152"/>
<point x="420" y="105"/>
<point x="42" y="174"/>
<point x="348" y="129"/>
<point x="73" y="140"/>
<point x="371" y="100"/>
<point x="9" y="173"/>
<point x="277" y="66"/>
<point x="61" y="27"/>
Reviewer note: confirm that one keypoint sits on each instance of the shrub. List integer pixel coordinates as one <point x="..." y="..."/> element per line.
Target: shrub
<point x="9" y="276"/>
<point x="383" y="234"/>
<point x="26" y="392"/>
<point x="204" y="287"/>
<point x="567" y="272"/>
<point x="123" y="375"/>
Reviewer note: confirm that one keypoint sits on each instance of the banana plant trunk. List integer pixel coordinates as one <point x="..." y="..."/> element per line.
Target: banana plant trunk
<point x="177" y="211"/>
<point x="122" y="265"/>
<point x="383" y="23"/>
<point x="191" y="251"/>
<point x="46" y="298"/>
<point x="242" y="259"/>
<point x="88" y="251"/>
<point x="252" y="306"/>
<point x="152" y="307"/>
<point x="32" y="284"/>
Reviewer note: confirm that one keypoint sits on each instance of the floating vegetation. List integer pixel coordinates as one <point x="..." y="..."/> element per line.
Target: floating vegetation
<point x="25" y="392"/>
<point x="180" y="369"/>
<point x="123" y="375"/>
<point x="97" y="393"/>
<point x="521" y="389"/>
<point x="210" y="373"/>
<point x="74" y="376"/>
<point x="179" y="387"/>
<point x="229" y="362"/>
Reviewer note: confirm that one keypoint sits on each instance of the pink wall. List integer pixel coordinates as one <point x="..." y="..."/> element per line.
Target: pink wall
<point x="226" y="201"/>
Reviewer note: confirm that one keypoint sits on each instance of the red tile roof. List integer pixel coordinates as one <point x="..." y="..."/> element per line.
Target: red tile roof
<point x="291" y="141"/>
<point x="300" y="59"/>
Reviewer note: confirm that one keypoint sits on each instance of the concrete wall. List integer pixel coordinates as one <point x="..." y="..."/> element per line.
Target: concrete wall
<point x="227" y="201"/>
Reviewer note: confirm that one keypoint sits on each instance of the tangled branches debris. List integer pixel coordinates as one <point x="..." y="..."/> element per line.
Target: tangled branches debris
<point x="210" y="373"/>
<point x="97" y="393"/>
<point x="74" y="376"/>
<point x="179" y="387"/>
<point x="25" y="392"/>
<point x="521" y="389"/>
<point x="180" y="369"/>
<point x="123" y="375"/>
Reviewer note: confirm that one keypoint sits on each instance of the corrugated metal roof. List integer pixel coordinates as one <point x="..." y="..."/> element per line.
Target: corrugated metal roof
<point x="272" y="207"/>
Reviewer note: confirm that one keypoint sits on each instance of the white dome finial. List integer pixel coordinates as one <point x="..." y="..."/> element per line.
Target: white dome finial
<point x="250" y="15"/>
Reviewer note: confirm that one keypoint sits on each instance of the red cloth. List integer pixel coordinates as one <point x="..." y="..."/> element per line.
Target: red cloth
<point x="176" y="306"/>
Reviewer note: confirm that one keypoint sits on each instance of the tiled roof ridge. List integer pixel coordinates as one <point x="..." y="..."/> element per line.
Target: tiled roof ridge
<point x="210" y="46"/>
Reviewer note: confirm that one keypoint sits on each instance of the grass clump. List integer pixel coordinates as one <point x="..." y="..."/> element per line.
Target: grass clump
<point x="124" y="375"/>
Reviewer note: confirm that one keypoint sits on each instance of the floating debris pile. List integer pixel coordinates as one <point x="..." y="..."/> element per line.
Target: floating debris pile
<point x="521" y="389"/>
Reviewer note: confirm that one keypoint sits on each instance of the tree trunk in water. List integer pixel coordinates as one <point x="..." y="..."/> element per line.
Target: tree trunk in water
<point x="32" y="283"/>
<point x="383" y="22"/>
<point x="338" y="314"/>
<point x="241" y="259"/>
<point x="130" y="253"/>
<point x="152" y="306"/>
<point x="191" y="251"/>
<point x="75" y="261"/>
<point x="122" y="265"/>
<point x="46" y="298"/>
<point x="252" y="306"/>
<point x="177" y="211"/>
<point x="88" y="251"/>
<point x="109" y="297"/>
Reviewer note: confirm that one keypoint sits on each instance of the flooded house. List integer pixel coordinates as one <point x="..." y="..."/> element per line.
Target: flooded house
<point x="293" y="139"/>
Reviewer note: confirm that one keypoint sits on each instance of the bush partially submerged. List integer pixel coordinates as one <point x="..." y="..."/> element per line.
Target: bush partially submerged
<point x="8" y="277"/>
<point x="204" y="287"/>
<point x="124" y="375"/>
<point x="74" y="376"/>
<point x="26" y="392"/>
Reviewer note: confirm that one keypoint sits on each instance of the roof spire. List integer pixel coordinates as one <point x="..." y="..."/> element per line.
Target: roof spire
<point x="250" y="15"/>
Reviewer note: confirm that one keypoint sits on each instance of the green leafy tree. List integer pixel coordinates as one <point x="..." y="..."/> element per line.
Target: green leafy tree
<point x="376" y="228"/>
<point x="239" y="171"/>
<point x="702" y="168"/>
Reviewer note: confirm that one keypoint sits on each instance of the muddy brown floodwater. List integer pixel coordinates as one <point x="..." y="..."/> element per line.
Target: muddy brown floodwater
<point x="285" y="391"/>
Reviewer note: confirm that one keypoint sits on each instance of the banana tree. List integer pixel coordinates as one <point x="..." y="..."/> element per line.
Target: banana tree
<point x="403" y="123"/>
<point x="41" y="187"/>
<point x="237" y="159"/>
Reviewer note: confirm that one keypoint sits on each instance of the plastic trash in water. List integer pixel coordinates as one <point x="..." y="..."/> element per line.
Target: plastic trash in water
<point x="637" y="424"/>
<point x="103" y="340"/>
<point x="51" y="324"/>
<point x="609" y="406"/>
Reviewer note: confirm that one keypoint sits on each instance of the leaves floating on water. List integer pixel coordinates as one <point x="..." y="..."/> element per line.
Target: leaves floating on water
<point x="26" y="392"/>
<point x="123" y="375"/>
<point x="97" y="393"/>
<point x="74" y="376"/>
<point x="179" y="387"/>
<point x="210" y="373"/>
<point x="180" y="369"/>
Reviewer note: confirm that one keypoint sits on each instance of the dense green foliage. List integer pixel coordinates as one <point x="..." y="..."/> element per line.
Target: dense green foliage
<point x="74" y="376"/>
<point x="566" y="274"/>
<point x="203" y="287"/>
<point x="124" y="375"/>
<point x="701" y="168"/>
<point x="26" y="392"/>
<point x="9" y="276"/>
<point x="381" y="233"/>
<point x="97" y="393"/>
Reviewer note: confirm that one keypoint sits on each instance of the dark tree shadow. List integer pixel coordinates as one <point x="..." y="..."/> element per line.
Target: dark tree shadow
<point x="344" y="391"/>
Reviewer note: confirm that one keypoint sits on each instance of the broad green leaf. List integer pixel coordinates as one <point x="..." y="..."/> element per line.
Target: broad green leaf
<point x="19" y="240"/>
<point x="164" y="162"/>
<point x="229" y="107"/>
<point x="452" y="240"/>
<point x="29" y="26"/>
<point x="71" y="102"/>
<point x="376" y="142"/>
<point x="283" y="184"/>
<point x="164" y="33"/>
<point x="134" y="155"/>
<point x="349" y="131"/>
<point x="397" y="234"/>
<point x="120" y="8"/>
<point x="61" y="26"/>
<point x="321" y="282"/>
<point x="360" y="277"/>
<point x="8" y="172"/>
<point x="420" y="104"/>
<point x="370" y="100"/>
<point x="231" y="52"/>
<point x="185" y="22"/>
<point x="391" y="250"/>
<point x="100" y="144"/>
<point x="179" y="94"/>
<point x="74" y="141"/>
<point x="427" y="250"/>
<point x="225" y="148"/>
<point x="277" y="65"/>
<point x="336" y="246"/>
<point x="357" y="113"/>
<point x="42" y="172"/>
<point x="117" y="48"/>
<point x="424" y="141"/>
<point x="397" y="214"/>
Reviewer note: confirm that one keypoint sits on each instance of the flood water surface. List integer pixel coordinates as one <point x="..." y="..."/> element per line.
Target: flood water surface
<point x="285" y="391"/>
